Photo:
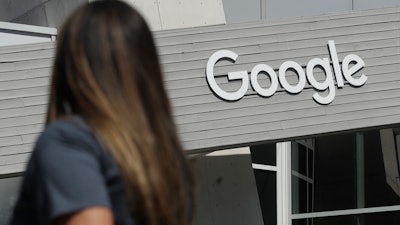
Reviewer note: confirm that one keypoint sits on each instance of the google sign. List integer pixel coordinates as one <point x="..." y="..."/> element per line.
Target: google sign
<point x="351" y="64"/>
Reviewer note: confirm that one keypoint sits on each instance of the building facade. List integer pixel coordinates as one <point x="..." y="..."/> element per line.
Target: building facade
<point x="306" y="93"/>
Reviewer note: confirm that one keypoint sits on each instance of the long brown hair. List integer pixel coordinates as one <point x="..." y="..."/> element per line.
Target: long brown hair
<point x="106" y="69"/>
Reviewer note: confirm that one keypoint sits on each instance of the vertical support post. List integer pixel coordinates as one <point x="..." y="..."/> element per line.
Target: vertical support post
<point x="360" y="174"/>
<point x="263" y="9"/>
<point x="283" y="183"/>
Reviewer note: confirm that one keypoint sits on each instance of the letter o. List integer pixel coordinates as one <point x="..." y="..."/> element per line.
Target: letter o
<point x="272" y="75"/>
<point x="300" y="73"/>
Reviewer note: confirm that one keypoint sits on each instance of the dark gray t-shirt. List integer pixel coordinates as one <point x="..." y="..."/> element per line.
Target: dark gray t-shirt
<point x="69" y="171"/>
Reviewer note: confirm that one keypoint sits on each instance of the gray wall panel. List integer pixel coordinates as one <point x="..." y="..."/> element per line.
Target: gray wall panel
<point x="362" y="4"/>
<point x="25" y="92"/>
<point x="205" y="122"/>
<point x="242" y="11"/>
<point x="219" y="177"/>
<point x="277" y="9"/>
<point x="19" y="130"/>
<point x="16" y="149"/>
<point x="21" y="121"/>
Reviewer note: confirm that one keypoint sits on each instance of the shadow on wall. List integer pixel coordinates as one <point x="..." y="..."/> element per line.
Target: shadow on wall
<point x="9" y="188"/>
<point x="49" y="13"/>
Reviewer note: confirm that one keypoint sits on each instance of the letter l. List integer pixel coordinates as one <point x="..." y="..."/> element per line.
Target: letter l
<point x="335" y="62"/>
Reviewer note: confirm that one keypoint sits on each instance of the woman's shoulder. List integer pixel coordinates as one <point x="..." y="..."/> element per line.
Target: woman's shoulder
<point x="71" y="133"/>
<point x="66" y="128"/>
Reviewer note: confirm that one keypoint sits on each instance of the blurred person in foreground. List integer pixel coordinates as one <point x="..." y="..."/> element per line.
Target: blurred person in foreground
<point x="109" y="153"/>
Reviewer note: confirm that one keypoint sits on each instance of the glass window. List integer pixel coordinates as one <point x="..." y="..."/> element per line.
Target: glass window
<point x="378" y="191"/>
<point x="302" y="159"/>
<point x="264" y="154"/>
<point x="334" y="181"/>
<point x="299" y="158"/>
<point x="266" y="186"/>
<point x="351" y="171"/>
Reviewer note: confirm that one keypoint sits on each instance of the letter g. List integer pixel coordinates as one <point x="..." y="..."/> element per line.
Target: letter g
<point x="231" y="96"/>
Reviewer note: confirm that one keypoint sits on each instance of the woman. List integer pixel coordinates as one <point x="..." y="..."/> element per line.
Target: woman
<point x="109" y="153"/>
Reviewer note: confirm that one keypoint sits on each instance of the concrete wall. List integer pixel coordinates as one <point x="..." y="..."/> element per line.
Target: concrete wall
<point x="173" y="14"/>
<point x="226" y="189"/>
<point x="48" y="13"/>
<point x="161" y="15"/>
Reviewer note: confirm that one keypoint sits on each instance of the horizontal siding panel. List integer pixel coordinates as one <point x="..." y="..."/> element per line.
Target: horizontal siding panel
<point x="304" y="108"/>
<point x="278" y="29"/>
<point x="21" y="130"/>
<point x="25" y="65"/>
<point x="29" y="138"/>
<point x="26" y="55"/>
<point x="264" y="43"/>
<point x="25" y="83"/>
<point x="288" y="125"/>
<point x="373" y="32"/>
<point x="14" y="159"/>
<point x="339" y="17"/>
<point x="189" y="114"/>
<point x="379" y="62"/>
<point x="21" y="121"/>
<point x="348" y="46"/>
<point x="27" y="47"/>
<point x="200" y="89"/>
<point x="36" y="100"/>
<point x="249" y="61"/>
<point x="25" y="74"/>
<point x="16" y="149"/>
<point x="381" y="108"/>
<point x="254" y="104"/>
<point x="285" y="135"/>
<point x="210" y="98"/>
<point x="308" y="110"/>
<point x="25" y="92"/>
<point x="194" y="69"/>
<point x="13" y="168"/>
<point x="11" y="103"/>
<point x="8" y="141"/>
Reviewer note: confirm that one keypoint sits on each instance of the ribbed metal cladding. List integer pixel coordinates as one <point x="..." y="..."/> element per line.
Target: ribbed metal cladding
<point x="206" y="122"/>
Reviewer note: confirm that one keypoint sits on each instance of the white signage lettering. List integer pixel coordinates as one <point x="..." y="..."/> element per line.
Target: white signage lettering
<point x="350" y="66"/>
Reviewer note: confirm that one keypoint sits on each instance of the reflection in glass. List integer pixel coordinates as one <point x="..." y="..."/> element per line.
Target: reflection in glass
<point x="353" y="170"/>
<point x="390" y="150"/>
